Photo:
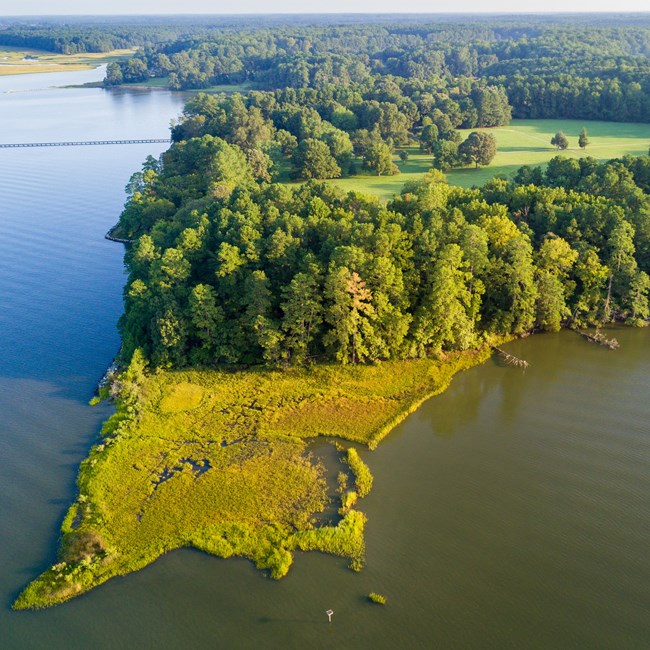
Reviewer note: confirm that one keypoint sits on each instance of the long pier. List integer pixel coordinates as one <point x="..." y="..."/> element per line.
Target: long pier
<point x="86" y="143"/>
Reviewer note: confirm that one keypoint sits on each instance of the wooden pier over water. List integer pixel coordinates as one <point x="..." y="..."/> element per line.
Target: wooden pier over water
<point x="86" y="143"/>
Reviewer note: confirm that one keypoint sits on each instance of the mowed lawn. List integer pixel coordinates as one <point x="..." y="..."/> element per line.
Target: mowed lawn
<point x="522" y="142"/>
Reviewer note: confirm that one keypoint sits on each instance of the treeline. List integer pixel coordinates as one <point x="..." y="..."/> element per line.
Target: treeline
<point x="328" y="133"/>
<point x="549" y="70"/>
<point x="227" y="269"/>
<point x="552" y="67"/>
<point x="78" y="39"/>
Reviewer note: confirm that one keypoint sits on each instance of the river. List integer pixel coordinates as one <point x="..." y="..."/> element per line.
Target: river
<point x="511" y="512"/>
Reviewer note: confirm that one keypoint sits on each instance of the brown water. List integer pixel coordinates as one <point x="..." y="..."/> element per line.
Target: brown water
<point x="511" y="512"/>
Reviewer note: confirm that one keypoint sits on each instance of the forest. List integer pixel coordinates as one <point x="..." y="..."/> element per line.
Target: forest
<point x="588" y="67"/>
<point x="228" y="268"/>
<point x="230" y="265"/>
<point x="553" y="70"/>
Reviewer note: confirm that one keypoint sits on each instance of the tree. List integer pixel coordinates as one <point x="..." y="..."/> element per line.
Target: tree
<point x="444" y="319"/>
<point x="637" y="299"/>
<point x="350" y="315"/>
<point x="492" y="106"/>
<point x="302" y="315"/>
<point x="404" y="155"/>
<point x="206" y="317"/>
<point x="313" y="159"/>
<point x="379" y="158"/>
<point x="621" y="263"/>
<point x="592" y="277"/>
<point x="340" y="146"/>
<point x="550" y="307"/>
<point x="583" y="140"/>
<point x="257" y="318"/>
<point x="428" y="137"/>
<point x="445" y="155"/>
<point x="560" y="140"/>
<point x="479" y="148"/>
<point x="114" y="75"/>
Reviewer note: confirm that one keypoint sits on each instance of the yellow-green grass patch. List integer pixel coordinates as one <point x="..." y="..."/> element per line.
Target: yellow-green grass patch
<point x="343" y="417"/>
<point x="220" y="461"/>
<point x="181" y="397"/>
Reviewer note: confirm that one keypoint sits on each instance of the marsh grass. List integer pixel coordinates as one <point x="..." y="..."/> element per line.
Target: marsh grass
<point x="181" y="397"/>
<point x="220" y="461"/>
<point x="13" y="60"/>
<point x="361" y="472"/>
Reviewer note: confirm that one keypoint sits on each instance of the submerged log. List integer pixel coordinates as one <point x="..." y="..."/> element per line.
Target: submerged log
<point x="600" y="338"/>
<point x="511" y="358"/>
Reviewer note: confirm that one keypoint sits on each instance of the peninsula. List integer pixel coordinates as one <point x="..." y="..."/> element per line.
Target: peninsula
<point x="267" y="306"/>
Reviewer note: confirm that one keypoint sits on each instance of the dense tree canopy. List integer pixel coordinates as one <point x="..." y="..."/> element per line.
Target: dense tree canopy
<point x="229" y="265"/>
<point x="227" y="268"/>
<point x="587" y="67"/>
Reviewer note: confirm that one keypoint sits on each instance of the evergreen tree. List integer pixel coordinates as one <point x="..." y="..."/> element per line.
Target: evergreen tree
<point x="583" y="140"/>
<point x="302" y="310"/>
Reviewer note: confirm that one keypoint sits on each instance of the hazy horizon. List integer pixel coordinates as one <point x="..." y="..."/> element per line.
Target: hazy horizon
<point x="58" y="8"/>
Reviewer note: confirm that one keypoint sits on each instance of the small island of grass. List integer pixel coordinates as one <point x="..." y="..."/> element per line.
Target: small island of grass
<point x="376" y="598"/>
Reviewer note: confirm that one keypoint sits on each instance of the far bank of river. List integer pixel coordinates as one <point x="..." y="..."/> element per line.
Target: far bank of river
<point x="509" y="512"/>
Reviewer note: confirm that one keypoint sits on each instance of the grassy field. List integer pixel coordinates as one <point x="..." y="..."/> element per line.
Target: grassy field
<point x="220" y="461"/>
<point x="21" y="61"/>
<point x="522" y="142"/>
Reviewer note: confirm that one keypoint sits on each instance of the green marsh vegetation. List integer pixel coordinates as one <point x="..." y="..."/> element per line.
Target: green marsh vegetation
<point x="219" y="460"/>
<point x="376" y="598"/>
<point x="29" y="61"/>
<point x="361" y="472"/>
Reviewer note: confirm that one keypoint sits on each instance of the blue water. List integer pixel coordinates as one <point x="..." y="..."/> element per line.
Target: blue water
<point x="511" y="512"/>
<point x="60" y="297"/>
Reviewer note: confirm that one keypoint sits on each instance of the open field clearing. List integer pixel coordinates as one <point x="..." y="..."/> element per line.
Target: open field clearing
<point x="522" y="142"/>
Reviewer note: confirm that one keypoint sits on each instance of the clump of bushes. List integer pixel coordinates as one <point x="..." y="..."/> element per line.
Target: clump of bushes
<point x="348" y="499"/>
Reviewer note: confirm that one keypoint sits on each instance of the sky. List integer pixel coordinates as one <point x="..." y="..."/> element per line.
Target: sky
<point x="140" y="7"/>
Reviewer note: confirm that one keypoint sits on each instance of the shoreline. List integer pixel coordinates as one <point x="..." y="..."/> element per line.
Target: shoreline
<point x="109" y="235"/>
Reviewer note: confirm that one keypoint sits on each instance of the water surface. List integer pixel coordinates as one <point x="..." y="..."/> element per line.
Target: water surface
<point x="510" y="512"/>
